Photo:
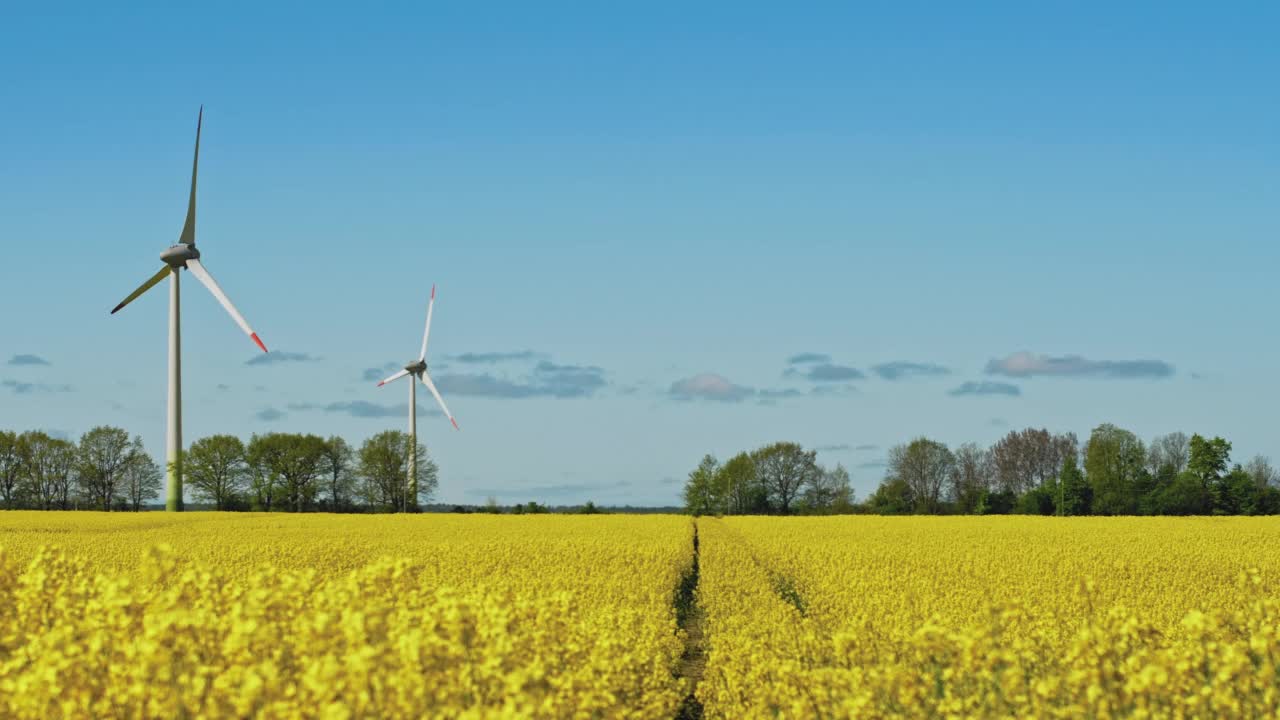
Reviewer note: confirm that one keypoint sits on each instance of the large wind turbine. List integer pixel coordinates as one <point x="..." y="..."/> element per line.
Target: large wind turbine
<point x="418" y="369"/>
<point x="183" y="255"/>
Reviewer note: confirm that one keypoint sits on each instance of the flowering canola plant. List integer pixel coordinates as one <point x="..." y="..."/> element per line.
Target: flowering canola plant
<point x="222" y="615"/>
<point x="991" y="617"/>
<point x="324" y="616"/>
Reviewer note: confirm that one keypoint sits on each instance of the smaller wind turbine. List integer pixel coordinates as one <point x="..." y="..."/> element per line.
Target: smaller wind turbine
<point x="418" y="369"/>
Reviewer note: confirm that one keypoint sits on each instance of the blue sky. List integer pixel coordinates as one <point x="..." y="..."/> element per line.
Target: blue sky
<point x="971" y="219"/>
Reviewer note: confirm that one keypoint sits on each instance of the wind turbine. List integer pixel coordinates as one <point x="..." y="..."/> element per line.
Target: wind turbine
<point x="183" y="255"/>
<point x="418" y="369"/>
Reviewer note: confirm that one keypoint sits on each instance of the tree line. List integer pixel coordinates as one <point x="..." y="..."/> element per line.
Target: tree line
<point x="290" y="472"/>
<point x="1031" y="471"/>
<point x="782" y="478"/>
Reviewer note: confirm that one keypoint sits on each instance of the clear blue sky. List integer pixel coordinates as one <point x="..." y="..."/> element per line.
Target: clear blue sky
<point x="674" y="200"/>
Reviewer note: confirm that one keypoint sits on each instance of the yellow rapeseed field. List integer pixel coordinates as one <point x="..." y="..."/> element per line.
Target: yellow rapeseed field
<point x="227" y="615"/>
<point x="283" y="616"/>
<point x="991" y="617"/>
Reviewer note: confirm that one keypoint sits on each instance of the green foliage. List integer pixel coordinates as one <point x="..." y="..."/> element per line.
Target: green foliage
<point x="784" y="470"/>
<point x="1075" y="496"/>
<point x="893" y="497"/>
<point x="996" y="502"/>
<point x="285" y="469"/>
<point x="337" y="462"/>
<point x="1235" y="494"/>
<point x="215" y="470"/>
<point x="49" y="468"/>
<point x="1209" y="459"/>
<point x="10" y="471"/>
<point x="740" y="486"/>
<point x="828" y="492"/>
<point x="1185" y="495"/>
<point x="971" y="476"/>
<point x="383" y="472"/>
<point x="926" y="466"/>
<point x="781" y="478"/>
<point x="702" y="495"/>
<point x="140" y="476"/>
<point x="1037" y="501"/>
<point x="104" y="452"/>
<point x="1115" y="461"/>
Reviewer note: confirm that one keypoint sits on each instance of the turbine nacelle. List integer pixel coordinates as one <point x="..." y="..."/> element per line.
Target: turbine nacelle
<point x="179" y="255"/>
<point x="417" y="370"/>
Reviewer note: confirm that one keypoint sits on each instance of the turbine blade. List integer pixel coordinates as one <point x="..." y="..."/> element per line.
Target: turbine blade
<point x="164" y="272"/>
<point x="397" y="376"/>
<point x="189" y="229"/>
<point x="426" y="380"/>
<point x="427" y="333"/>
<point x="207" y="280"/>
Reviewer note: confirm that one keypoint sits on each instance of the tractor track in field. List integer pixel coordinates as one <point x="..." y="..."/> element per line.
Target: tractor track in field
<point x="691" y="619"/>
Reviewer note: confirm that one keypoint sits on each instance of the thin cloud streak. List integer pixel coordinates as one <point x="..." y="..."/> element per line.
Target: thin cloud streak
<point x="26" y="388"/>
<point x="901" y="370"/>
<point x="1028" y="365"/>
<point x="808" y="358"/>
<point x="490" y="358"/>
<point x="986" y="387"/>
<point x="279" y="357"/>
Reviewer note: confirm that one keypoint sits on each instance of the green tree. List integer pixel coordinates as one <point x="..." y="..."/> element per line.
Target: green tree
<point x="1038" y="500"/>
<point x="740" y="487"/>
<point x="1265" y="481"/>
<point x="1168" y="455"/>
<point x="140" y="476"/>
<point x="926" y="467"/>
<point x="1209" y="458"/>
<point x="996" y="502"/>
<point x="285" y="469"/>
<point x="1209" y="461"/>
<point x="785" y="469"/>
<point x="1235" y="493"/>
<point x="971" y="476"/>
<point x="1115" y="461"/>
<point x="1075" y="497"/>
<point x="1185" y="495"/>
<point x="892" y="497"/>
<point x="104" y="452"/>
<point x="10" y="470"/>
<point x="1030" y="458"/>
<point x="1263" y="474"/>
<point x="49" y="468"/>
<point x="382" y="470"/>
<point x="301" y="469"/>
<point x="339" y="480"/>
<point x="701" y="494"/>
<point x="215" y="470"/>
<point x="263" y="456"/>
<point x="829" y="492"/>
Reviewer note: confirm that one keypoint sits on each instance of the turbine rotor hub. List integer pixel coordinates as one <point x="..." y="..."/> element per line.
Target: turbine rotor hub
<point x="178" y="255"/>
<point x="417" y="368"/>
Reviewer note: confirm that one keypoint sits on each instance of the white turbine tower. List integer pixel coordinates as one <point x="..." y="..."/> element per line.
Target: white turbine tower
<point x="183" y="255"/>
<point x="418" y="369"/>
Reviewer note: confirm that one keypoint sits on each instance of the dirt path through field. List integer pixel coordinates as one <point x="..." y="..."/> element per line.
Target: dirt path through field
<point x="690" y="617"/>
